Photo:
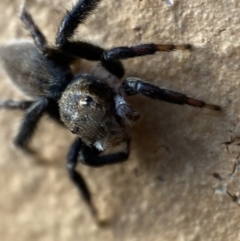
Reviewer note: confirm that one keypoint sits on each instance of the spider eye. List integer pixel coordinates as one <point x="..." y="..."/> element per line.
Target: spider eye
<point x="86" y="101"/>
<point x="74" y="130"/>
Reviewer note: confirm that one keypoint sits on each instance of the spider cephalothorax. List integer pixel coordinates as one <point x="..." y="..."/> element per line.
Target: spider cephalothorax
<point x="97" y="114"/>
<point x="88" y="109"/>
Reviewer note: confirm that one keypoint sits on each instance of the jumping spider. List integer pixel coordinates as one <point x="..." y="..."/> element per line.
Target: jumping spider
<point x="96" y="113"/>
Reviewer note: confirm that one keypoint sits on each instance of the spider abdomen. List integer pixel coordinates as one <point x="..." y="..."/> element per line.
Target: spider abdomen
<point x="35" y="74"/>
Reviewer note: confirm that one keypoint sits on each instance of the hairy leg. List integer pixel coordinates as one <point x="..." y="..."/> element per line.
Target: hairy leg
<point x="133" y="86"/>
<point x="29" y="123"/>
<point x="140" y="50"/>
<point x="15" y="104"/>
<point x="77" y="15"/>
<point x="90" y="156"/>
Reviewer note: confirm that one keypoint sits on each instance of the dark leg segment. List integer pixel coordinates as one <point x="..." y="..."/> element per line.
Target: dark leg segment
<point x="38" y="37"/>
<point x="133" y="86"/>
<point x="33" y="114"/>
<point x="84" y="50"/>
<point x="53" y="111"/>
<point x="77" y="179"/>
<point x="114" y="67"/>
<point x="90" y="156"/>
<point x="14" y="104"/>
<point x="92" y="52"/>
<point x="140" y="50"/>
<point x="73" y="18"/>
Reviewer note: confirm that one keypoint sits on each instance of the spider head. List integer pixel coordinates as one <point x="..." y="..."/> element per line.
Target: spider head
<point x="87" y="108"/>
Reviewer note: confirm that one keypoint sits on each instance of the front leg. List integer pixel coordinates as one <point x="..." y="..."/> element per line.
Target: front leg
<point x="111" y="56"/>
<point x="77" y="179"/>
<point x="92" y="52"/>
<point x="64" y="39"/>
<point x="90" y="156"/>
<point x="133" y="86"/>
<point x="125" y="52"/>
<point x="77" y="15"/>
<point x="29" y="123"/>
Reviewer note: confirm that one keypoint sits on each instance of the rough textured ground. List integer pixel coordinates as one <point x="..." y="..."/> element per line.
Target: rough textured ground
<point x="182" y="181"/>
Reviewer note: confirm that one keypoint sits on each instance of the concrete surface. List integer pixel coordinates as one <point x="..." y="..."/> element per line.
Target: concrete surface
<point x="182" y="180"/>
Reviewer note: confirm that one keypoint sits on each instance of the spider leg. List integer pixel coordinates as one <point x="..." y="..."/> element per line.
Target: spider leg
<point x="92" y="52"/>
<point x="90" y="157"/>
<point x="114" y="54"/>
<point x="15" y="104"/>
<point x="38" y="37"/>
<point x="52" y="109"/>
<point x="41" y="42"/>
<point x="77" y="179"/>
<point x="82" y="49"/>
<point x="53" y="112"/>
<point x="73" y="18"/>
<point x="29" y="123"/>
<point x="140" y="50"/>
<point x="133" y="86"/>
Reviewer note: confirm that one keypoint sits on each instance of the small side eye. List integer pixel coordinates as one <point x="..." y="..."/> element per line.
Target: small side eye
<point x="85" y="101"/>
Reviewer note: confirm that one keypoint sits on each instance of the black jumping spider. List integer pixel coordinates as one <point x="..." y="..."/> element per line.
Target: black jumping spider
<point x="97" y="114"/>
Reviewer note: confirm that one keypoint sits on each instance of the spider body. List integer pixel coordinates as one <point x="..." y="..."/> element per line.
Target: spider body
<point x="33" y="73"/>
<point x="88" y="109"/>
<point x="97" y="114"/>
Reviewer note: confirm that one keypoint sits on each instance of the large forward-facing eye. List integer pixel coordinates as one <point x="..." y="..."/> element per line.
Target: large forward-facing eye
<point x="86" y="101"/>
